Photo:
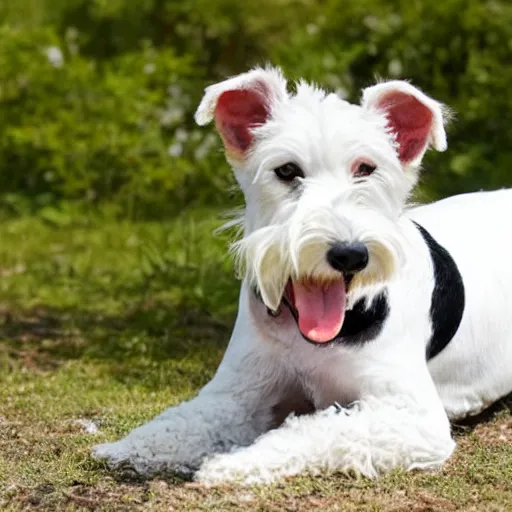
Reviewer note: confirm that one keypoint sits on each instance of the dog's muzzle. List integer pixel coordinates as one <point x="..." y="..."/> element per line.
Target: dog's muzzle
<point x="318" y="305"/>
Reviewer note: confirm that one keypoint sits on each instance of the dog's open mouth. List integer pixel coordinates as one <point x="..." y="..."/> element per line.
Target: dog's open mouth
<point x="318" y="307"/>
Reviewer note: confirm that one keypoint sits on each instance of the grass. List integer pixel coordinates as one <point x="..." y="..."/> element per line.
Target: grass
<point x="112" y="322"/>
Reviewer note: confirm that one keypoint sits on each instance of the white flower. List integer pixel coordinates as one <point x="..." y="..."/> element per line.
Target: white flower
<point x="204" y="148"/>
<point x="181" y="135"/>
<point x="175" y="150"/>
<point x="200" y="152"/>
<point x="55" y="57"/>
<point x="312" y="29"/>
<point x="172" y="115"/>
<point x="395" y="67"/>
<point x="371" y="22"/>
<point x="149" y="68"/>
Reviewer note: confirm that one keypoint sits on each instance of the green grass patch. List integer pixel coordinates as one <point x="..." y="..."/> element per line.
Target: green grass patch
<point x="113" y="321"/>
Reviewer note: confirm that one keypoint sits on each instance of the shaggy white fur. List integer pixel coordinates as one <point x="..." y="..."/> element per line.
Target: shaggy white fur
<point x="370" y="437"/>
<point x="415" y="345"/>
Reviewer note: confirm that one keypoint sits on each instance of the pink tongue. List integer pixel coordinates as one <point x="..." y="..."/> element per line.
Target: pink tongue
<point x="321" y="309"/>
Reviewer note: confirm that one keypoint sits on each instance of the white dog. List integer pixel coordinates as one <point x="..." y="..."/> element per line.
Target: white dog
<point x="364" y="325"/>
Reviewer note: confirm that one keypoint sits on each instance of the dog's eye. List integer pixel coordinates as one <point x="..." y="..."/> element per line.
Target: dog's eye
<point x="363" y="169"/>
<point x="288" y="172"/>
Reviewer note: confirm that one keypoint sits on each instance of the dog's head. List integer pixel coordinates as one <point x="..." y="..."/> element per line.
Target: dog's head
<point x="325" y="182"/>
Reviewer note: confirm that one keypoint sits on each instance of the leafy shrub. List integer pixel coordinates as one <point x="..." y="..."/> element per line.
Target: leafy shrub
<point x="76" y="128"/>
<point x="97" y="96"/>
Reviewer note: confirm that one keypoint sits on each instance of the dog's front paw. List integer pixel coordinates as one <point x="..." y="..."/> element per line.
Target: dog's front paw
<point x="127" y="454"/>
<point x="111" y="453"/>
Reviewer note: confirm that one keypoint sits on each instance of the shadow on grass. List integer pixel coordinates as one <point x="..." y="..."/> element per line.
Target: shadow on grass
<point x="467" y="425"/>
<point x="43" y="338"/>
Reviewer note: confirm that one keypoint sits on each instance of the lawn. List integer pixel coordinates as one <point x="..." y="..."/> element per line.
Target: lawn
<point x="104" y="323"/>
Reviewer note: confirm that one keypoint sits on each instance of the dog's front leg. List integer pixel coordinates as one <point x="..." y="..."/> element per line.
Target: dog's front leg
<point x="389" y="429"/>
<point x="232" y="410"/>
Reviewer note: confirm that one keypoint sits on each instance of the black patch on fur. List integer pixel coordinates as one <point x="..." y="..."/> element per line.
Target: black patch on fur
<point x="448" y="297"/>
<point x="363" y="324"/>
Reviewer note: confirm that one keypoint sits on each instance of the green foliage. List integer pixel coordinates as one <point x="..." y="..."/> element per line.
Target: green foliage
<point x="97" y="97"/>
<point x="76" y="128"/>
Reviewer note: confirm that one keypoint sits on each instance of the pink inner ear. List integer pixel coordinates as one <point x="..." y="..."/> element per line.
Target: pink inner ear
<point x="238" y="111"/>
<point x="410" y="120"/>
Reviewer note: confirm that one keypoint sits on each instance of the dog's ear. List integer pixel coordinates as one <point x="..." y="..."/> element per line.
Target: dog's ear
<point x="416" y="120"/>
<point x="240" y="104"/>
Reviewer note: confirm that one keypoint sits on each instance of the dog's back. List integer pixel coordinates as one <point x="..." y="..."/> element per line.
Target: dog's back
<point x="473" y="371"/>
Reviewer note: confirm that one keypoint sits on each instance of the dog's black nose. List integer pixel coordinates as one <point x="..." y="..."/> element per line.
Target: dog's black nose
<point x="348" y="258"/>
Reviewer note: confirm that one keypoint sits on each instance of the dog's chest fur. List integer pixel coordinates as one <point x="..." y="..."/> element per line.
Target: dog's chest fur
<point x="426" y="300"/>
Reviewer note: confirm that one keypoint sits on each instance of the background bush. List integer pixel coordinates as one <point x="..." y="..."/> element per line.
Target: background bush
<point x="97" y="96"/>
